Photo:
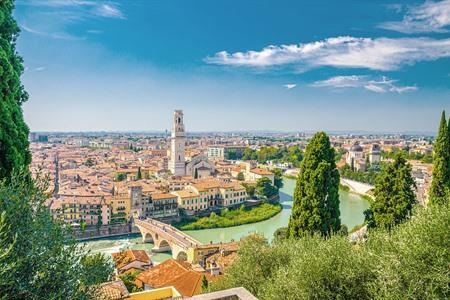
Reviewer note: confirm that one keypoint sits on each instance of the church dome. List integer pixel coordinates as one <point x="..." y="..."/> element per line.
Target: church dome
<point x="356" y="148"/>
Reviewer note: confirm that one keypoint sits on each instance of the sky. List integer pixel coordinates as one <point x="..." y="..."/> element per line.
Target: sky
<point x="375" y="65"/>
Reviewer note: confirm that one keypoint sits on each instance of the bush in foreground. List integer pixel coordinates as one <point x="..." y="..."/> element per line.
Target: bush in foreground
<point x="410" y="262"/>
<point x="41" y="260"/>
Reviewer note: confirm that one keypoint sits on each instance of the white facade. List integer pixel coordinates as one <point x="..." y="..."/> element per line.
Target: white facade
<point x="375" y="154"/>
<point x="177" y="159"/>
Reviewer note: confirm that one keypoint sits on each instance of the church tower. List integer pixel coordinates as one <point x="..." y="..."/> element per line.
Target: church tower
<point x="177" y="164"/>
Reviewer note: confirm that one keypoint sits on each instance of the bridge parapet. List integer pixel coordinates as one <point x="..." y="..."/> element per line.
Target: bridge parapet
<point x="166" y="237"/>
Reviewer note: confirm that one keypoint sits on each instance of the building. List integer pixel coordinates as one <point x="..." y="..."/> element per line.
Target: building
<point x="131" y="260"/>
<point x="164" y="205"/>
<point x="258" y="173"/>
<point x="178" y="274"/>
<point x="77" y="210"/>
<point x="355" y="158"/>
<point x="190" y="200"/>
<point x="375" y="154"/>
<point x="177" y="158"/>
<point x="199" y="167"/>
<point x="225" y="152"/>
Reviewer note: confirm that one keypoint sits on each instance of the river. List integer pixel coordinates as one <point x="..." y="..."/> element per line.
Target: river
<point x="351" y="206"/>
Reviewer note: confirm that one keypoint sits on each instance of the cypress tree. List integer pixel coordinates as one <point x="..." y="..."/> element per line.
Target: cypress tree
<point x="139" y="174"/>
<point x="394" y="195"/>
<point x="14" y="153"/>
<point x="441" y="164"/>
<point x="316" y="195"/>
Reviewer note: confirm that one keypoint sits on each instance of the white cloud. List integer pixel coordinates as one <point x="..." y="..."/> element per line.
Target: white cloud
<point x="431" y="16"/>
<point x="341" y="52"/>
<point x="377" y="85"/>
<point x="104" y="9"/>
<point x="109" y="11"/>
<point x="54" y="35"/>
<point x="38" y="69"/>
<point x="290" y="86"/>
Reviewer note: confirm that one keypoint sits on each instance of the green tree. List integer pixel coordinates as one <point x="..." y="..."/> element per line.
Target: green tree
<point x="409" y="262"/>
<point x="441" y="164"/>
<point x="265" y="189"/>
<point x="120" y="177"/>
<point x="14" y="153"/>
<point x="205" y="284"/>
<point x="139" y="174"/>
<point x="281" y="233"/>
<point x="99" y="220"/>
<point x="249" y="154"/>
<point x="38" y="257"/>
<point x="129" y="279"/>
<point x="316" y="195"/>
<point x="240" y="176"/>
<point x="249" y="189"/>
<point x="278" y="178"/>
<point x="42" y="249"/>
<point x="196" y="173"/>
<point x="6" y="248"/>
<point x="95" y="269"/>
<point x="89" y="162"/>
<point x="294" y="155"/>
<point x="394" y="195"/>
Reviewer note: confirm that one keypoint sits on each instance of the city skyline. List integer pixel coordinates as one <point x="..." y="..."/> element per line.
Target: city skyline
<point x="124" y="66"/>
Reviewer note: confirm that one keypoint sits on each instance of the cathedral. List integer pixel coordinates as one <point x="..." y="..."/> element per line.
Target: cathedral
<point x="198" y="166"/>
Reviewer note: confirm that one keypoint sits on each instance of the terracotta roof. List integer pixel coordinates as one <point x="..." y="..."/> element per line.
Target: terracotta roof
<point x="160" y="196"/>
<point x="186" y="193"/>
<point x="223" y="261"/>
<point x="173" y="273"/>
<point x="114" y="290"/>
<point x="260" y="171"/>
<point x="123" y="258"/>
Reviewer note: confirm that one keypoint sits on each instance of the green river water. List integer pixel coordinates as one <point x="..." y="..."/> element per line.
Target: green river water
<point x="352" y="207"/>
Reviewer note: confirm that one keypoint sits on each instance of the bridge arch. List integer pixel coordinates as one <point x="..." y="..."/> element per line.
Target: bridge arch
<point x="163" y="244"/>
<point x="147" y="237"/>
<point x="182" y="256"/>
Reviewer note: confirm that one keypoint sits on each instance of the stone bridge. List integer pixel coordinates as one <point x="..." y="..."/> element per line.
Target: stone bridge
<point x="167" y="238"/>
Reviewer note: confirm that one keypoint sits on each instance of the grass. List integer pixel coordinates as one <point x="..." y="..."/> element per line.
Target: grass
<point x="229" y="218"/>
<point x="344" y="188"/>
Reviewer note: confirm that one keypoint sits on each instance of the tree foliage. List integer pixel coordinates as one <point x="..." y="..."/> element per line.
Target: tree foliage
<point x="129" y="279"/>
<point x="368" y="176"/>
<point x="14" y="153"/>
<point x="316" y="195"/>
<point x="394" y="195"/>
<point x="44" y="261"/>
<point x="409" y="262"/>
<point x="440" y="184"/>
<point x="278" y="178"/>
<point x="265" y="189"/>
<point x="292" y="154"/>
<point x="38" y="259"/>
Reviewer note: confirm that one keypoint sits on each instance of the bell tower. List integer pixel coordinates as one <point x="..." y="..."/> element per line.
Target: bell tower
<point x="177" y="161"/>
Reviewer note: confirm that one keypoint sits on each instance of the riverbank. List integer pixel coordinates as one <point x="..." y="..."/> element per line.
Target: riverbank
<point x="351" y="205"/>
<point x="230" y="218"/>
<point x="359" y="188"/>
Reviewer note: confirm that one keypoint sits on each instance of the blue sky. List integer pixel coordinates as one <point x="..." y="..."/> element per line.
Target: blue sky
<point x="235" y="65"/>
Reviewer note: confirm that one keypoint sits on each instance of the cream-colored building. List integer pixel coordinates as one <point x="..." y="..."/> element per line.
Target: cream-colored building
<point x="204" y="194"/>
<point x="258" y="173"/>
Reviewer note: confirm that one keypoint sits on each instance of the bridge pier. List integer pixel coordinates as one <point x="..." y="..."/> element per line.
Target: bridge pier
<point x="160" y="249"/>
